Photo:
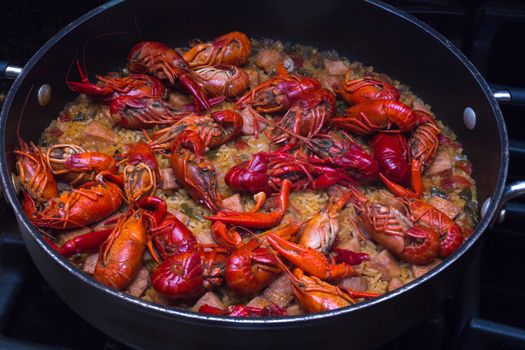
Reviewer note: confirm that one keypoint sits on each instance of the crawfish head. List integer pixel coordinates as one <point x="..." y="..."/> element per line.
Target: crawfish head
<point x="250" y="176"/>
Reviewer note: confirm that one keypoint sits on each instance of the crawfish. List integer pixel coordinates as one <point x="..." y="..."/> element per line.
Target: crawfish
<point x="369" y="117"/>
<point x="171" y="237"/>
<point x="450" y="234"/>
<point x="278" y="94"/>
<point x="255" y="220"/>
<point x="245" y="311"/>
<point x="111" y="88"/>
<point x="218" y="128"/>
<point x="321" y="230"/>
<point x="306" y="117"/>
<point x="356" y="91"/>
<point x="232" y="48"/>
<point x="121" y="254"/>
<point x="85" y="243"/>
<point x="400" y="231"/>
<point x="144" y="113"/>
<point x="74" y="165"/>
<point x="343" y="152"/>
<point x="423" y="146"/>
<point x="309" y="259"/>
<point x="35" y="175"/>
<point x="315" y="295"/>
<point x="79" y="207"/>
<point x="165" y="63"/>
<point x="392" y="154"/>
<point x="195" y="173"/>
<point x="250" y="268"/>
<point x="140" y="172"/>
<point x="222" y="80"/>
<point x="189" y="274"/>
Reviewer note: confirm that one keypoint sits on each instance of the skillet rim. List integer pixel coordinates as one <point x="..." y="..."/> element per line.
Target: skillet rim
<point x="203" y="319"/>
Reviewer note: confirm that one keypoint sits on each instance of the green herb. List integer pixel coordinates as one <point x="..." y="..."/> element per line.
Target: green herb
<point x="186" y="209"/>
<point x="212" y="155"/>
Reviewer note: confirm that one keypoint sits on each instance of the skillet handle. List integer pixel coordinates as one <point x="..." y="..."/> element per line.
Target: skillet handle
<point x="512" y="191"/>
<point x="9" y="71"/>
<point x="508" y="94"/>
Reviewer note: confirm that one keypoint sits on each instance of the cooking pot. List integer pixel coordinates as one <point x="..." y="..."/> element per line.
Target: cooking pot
<point x="367" y="31"/>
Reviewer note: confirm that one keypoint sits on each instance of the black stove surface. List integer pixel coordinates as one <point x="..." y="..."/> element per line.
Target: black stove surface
<point x="486" y="312"/>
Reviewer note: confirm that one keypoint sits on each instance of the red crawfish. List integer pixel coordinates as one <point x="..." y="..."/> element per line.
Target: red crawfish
<point x="450" y="234"/>
<point x="244" y="311"/>
<point x="80" y="207"/>
<point x="392" y="154"/>
<point x="35" y="175"/>
<point x="423" y="145"/>
<point x="171" y="237"/>
<point x="278" y="94"/>
<point x="165" y="63"/>
<point x="110" y="88"/>
<point x="144" y="113"/>
<point x="215" y="129"/>
<point x="310" y="260"/>
<point x="222" y="80"/>
<point x="140" y="172"/>
<point x="306" y="117"/>
<point x="232" y="48"/>
<point x="344" y="152"/>
<point x="193" y="171"/>
<point x="315" y="295"/>
<point x="255" y="220"/>
<point x="370" y="117"/>
<point x="250" y="268"/>
<point x="74" y="165"/>
<point x="356" y="91"/>
<point x="189" y="274"/>
<point x="121" y="254"/>
<point x="400" y="231"/>
<point x="266" y="171"/>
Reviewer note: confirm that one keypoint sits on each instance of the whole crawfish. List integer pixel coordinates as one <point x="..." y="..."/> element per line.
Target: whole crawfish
<point x="80" y="207"/>
<point x="121" y="254"/>
<point x="144" y="113"/>
<point x="400" y="231"/>
<point x="344" y="152"/>
<point x="165" y="63"/>
<point x="423" y="145"/>
<point x="215" y="129"/>
<point x="222" y="80"/>
<point x="171" y="237"/>
<point x="193" y="171"/>
<point x="450" y="234"/>
<point x="356" y="91"/>
<point x="189" y="274"/>
<point x="232" y="48"/>
<point x="306" y="117"/>
<point x="392" y="154"/>
<point x="74" y="165"/>
<point x="369" y="117"/>
<point x="140" y="172"/>
<point x="35" y="175"/>
<point x="250" y="268"/>
<point x="321" y="230"/>
<point x="278" y="94"/>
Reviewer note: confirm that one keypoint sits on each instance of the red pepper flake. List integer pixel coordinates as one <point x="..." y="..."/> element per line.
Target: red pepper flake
<point x="349" y="257"/>
<point x="241" y="145"/>
<point x="465" y="165"/>
<point x="455" y="182"/>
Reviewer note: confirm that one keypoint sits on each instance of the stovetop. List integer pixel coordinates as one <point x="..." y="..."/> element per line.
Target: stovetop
<point x="486" y="312"/>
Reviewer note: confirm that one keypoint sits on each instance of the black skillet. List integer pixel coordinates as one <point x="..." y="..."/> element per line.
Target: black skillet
<point x="368" y="31"/>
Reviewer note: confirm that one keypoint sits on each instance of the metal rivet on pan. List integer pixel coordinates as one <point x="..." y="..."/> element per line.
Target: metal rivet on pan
<point x="469" y="118"/>
<point x="44" y="95"/>
<point x="485" y="207"/>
